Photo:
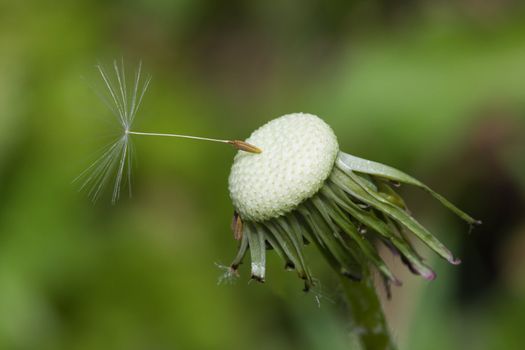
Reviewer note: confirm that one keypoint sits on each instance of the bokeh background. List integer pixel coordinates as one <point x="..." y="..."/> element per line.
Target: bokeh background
<point x="436" y="88"/>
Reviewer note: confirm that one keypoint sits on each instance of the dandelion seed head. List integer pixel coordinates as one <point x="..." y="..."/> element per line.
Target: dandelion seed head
<point x="302" y="189"/>
<point x="299" y="151"/>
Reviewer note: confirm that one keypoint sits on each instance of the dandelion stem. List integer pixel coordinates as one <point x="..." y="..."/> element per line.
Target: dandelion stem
<point x="366" y="314"/>
<point x="241" y="145"/>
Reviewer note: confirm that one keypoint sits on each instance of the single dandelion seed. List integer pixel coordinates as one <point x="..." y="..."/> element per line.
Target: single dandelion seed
<point x="114" y="165"/>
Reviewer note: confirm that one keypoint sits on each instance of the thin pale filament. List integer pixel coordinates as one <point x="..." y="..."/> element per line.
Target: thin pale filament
<point x="176" y="135"/>
<point x="241" y="145"/>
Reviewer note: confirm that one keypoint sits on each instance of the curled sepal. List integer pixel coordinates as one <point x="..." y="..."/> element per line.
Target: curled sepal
<point x="241" y="252"/>
<point x="366" y="248"/>
<point x="292" y="250"/>
<point x="348" y="162"/>
<point x="346" y="258"/>
<point x="296" y="236"/>
<point x="387" y="233"/>
<point x="257" y="252"/>
<point x="350" y="183"/>
<point x="277" y="245"/>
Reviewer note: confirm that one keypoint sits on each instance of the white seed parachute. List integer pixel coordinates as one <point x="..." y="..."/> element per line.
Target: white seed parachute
<point x="115" y="162"/>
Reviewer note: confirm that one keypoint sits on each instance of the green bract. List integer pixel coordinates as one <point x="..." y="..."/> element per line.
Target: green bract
<point x="317" y="194"/>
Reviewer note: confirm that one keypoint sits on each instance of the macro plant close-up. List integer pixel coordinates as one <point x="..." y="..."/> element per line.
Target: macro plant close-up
<point x="291" y="185"/>
<point x="301" y="188"/>
<point x="368" y="194"/>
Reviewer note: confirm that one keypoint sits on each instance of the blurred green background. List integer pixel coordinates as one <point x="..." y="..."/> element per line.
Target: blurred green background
<point x="436" y="88"/>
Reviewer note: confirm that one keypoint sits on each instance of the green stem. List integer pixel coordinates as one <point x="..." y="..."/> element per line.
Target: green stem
<point x="367" y="315"/>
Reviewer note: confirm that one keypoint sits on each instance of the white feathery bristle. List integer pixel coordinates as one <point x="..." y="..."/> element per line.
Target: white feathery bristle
<point x="114" y="164"/>
<point x="298" y="154"/>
